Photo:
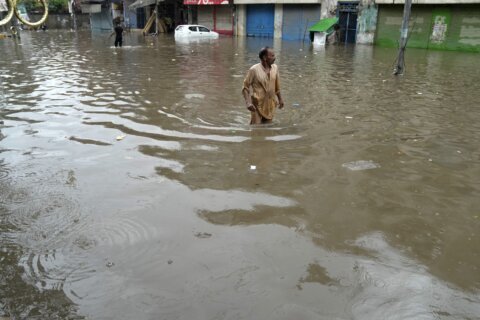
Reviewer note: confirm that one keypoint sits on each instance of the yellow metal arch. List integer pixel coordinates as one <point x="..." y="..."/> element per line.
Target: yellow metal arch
<point x="9" y="15"/>
<point x="12" y="8"/>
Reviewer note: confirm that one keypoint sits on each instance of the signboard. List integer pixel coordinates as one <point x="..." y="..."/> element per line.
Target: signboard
<point x="204" y="2"/>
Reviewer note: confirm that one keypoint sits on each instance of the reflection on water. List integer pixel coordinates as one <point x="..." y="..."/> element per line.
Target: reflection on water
<point x="193" y="212"/>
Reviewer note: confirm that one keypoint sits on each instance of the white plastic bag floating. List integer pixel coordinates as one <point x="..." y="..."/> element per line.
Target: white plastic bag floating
<point x="361" y="165"/>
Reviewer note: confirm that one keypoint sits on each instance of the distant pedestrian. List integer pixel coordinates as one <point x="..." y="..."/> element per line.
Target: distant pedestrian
<point x="118" y="32"/>
<point x="261" y="88"/>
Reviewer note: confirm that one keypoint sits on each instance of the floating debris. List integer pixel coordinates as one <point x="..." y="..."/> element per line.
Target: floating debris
<point x="203" y="235"/>
<point x="120" y="137"/>
<point x="253" y="167"/>
<point x="195" y="96"/>
<point x="361" y="165"/>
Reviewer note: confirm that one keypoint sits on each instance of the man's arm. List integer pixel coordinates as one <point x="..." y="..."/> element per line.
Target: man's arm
<point x="280" y="100"/>
<point x="247" y="82"/>
<point x="277" y="91"/>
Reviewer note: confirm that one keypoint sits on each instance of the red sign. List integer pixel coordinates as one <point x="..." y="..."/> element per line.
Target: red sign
<point x="204" y="2"/>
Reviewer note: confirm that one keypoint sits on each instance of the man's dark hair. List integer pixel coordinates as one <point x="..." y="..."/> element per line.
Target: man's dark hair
<point x="263" y="52"/>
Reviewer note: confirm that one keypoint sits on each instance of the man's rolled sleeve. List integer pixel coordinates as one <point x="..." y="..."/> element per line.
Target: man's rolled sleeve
<point x="247" y="82"/>
<point x="277" y="84"/>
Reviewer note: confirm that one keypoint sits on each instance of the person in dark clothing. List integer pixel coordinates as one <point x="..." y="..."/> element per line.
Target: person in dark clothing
<point x="118" y="32"/>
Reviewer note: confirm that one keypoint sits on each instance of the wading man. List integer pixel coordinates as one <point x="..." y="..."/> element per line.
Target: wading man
<point x="264" y="82"/>
<point x="118" y="32"/>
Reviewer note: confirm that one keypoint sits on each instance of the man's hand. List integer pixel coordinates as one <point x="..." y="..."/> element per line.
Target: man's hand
<point x="280" y="104"/>
<point x="251" y="107"/>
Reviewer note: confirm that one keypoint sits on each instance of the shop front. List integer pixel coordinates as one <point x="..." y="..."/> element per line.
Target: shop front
<point x="217" y="15"/>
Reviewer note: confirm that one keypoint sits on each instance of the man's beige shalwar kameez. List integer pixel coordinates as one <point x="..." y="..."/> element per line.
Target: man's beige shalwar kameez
<point x="265" y="86"/>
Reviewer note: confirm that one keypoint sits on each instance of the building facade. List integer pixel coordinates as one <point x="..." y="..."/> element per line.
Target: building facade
<point x="287" y="19"/>
<point x="434" y="24"/>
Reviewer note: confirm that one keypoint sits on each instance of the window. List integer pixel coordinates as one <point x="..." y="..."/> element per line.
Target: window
<point x="179" y="28"/>
<point x="203" y="29"/>
<point x="194" y="29"/>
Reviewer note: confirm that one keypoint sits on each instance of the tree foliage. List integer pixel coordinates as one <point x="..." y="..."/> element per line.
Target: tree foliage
<point x="54" y="6"/>
<point x="58" y="6"/>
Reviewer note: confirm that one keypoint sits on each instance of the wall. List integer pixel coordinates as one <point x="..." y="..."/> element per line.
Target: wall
<point x="129" y="14"/>
<point x="241" y="20"/>
<point x="367" y="22"/>
<point x="278" y="21"/>
<point x="328" y="9"/>
<point x="102" y="21"/>
<point x="444" y="27"/>
<point x="64" y="21"/>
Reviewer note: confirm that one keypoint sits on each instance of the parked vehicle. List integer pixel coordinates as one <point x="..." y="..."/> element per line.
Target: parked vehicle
<point x="194" y="31"/>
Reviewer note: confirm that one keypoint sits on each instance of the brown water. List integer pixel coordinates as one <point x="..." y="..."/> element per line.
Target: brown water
<point x="173" y="222"/>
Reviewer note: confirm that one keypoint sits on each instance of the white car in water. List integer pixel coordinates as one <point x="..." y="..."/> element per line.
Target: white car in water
<point x="194" y="31"/>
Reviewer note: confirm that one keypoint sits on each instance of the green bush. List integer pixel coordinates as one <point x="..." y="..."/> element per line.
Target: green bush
<point x="58" y="6"/>
<point x="54" y="6"/>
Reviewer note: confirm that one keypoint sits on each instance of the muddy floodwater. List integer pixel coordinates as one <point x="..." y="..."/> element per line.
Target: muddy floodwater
<point x="132" y="186"/>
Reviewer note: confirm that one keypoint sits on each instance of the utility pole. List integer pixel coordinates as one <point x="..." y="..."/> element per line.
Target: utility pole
<point x="400" y="67"/>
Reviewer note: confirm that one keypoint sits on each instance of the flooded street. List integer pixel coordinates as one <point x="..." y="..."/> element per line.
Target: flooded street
<point x="132" y="186"/>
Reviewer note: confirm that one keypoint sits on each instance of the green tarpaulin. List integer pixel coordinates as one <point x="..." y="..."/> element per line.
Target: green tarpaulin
<point x="324" y="25"/>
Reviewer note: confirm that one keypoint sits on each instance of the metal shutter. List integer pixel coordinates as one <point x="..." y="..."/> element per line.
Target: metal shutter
<point x="297" y="19"/>
<point x="224" y="20"/>
<point x="260" y="20"/>
<point x="205" y="16"/>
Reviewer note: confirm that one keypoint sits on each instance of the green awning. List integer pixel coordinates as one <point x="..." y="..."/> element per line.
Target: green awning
<point x="324" y="25"/>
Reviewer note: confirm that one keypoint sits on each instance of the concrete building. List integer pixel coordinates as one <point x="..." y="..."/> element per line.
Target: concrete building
<point x="134" y="12"/>
<point x="291" y="19"/>
<point x="285" y="19"/>
<point x="435" y="24"/>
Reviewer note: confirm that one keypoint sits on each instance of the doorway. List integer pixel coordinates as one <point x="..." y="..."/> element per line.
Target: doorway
<point x="347" y="20"/>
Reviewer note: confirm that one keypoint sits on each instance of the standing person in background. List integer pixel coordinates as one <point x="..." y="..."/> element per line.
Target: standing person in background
<point x="264" y="80"/>
<point x="118" y="32"/>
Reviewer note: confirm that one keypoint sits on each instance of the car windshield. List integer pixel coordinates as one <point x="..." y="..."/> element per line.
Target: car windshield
<point x="179" y="28"/>
<point x="203" y="29"/>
